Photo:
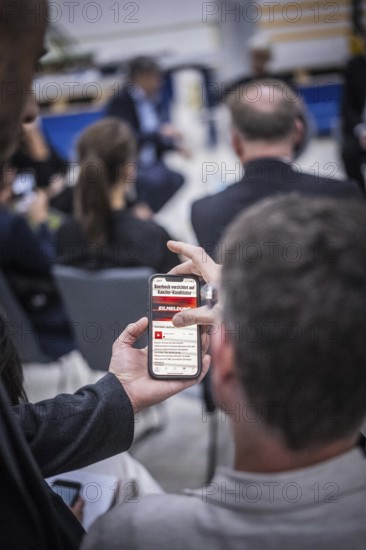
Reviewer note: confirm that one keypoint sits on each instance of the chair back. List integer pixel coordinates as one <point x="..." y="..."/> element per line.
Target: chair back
<point x="19" y="326"/>
<point x="100" y="304"/>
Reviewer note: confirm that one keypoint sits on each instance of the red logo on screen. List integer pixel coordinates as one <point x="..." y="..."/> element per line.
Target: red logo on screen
<point x="158" y="335"/>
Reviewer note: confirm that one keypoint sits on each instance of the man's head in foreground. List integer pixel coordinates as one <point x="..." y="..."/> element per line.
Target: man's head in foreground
<point x="22" y="29"/>
<point x="291" y="349"/>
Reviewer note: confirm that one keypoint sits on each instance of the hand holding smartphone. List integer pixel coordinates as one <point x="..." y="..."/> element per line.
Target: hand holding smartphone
<point x="174" y="353"/>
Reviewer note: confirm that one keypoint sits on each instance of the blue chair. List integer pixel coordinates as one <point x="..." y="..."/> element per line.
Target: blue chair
<point x="62" y="130"/>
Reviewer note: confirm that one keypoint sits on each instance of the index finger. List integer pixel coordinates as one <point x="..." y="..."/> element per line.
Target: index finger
<point x="202" y="264"/>
<point x="196" y="316"/>
<point x="184" y="269"/>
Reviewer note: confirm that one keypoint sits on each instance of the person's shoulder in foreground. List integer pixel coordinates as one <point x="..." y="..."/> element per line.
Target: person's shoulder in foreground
<point x="317" y="507"/>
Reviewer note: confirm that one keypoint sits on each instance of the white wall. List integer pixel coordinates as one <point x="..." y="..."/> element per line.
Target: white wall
<point x="115" y="29"/>
<point x="215" y="31"/>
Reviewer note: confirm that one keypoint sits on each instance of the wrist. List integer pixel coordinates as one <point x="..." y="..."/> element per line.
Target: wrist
<point x="133" y="401"/>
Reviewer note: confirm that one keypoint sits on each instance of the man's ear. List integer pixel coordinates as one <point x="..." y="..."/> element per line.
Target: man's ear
<point x="223" y="356"/>
<point x="298" y="133"/>
<point x="237" y="143"/>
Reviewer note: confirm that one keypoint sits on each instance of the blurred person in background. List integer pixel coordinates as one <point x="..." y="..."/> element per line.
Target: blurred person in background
<point x="353" y="118"/>
<point x="25" y="256"/>
<point x="265" y="131"/>
<point x="260" y="56"/>
<point x="260" y="51"/>
<point x="137" y="103"/>
<point x="26" y="259"/>
<point x="37" y="156"/>
<point x="104" y="233"/>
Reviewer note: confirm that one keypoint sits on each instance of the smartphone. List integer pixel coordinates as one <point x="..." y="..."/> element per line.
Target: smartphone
<point x="23" y="184"/>
<point x="173" y="352"/>
<point x="23" y="190"/>
<point x="67" y="490"/>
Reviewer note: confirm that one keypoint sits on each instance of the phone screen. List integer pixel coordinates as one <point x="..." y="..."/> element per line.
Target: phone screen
<point x="174" y="352"/>
<point x="67" y="490"/>
<point x="23" y="190"/>
<point x="23" y="184"/>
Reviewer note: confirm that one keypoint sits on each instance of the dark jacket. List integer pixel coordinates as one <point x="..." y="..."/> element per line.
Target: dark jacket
<point x="48" y="438"/>
<point x="263" y="178"/>
<point x="123" y="106"/>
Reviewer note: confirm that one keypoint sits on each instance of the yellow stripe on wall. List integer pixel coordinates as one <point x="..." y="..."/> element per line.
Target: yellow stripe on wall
<point x="311" y="34"/>
<point x="304" y="20"/>
<point x="323" y="6"/>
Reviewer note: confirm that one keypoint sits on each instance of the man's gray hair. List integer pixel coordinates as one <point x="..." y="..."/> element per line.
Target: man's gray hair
<point x="264" y="110"/>
<point x="294" y="297"/>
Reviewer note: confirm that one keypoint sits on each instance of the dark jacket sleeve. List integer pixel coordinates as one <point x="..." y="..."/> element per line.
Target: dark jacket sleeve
<point x="122" y="106"/>
<point x="73" y="431"/>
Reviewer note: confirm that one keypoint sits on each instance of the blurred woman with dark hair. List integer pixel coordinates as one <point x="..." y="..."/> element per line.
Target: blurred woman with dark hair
<point x="104" y="233"/>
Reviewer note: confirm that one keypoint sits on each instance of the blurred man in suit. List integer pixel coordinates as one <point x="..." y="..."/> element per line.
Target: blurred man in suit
<point x="137" y="103"/>
<point x="265" y="130"/>
<point x="353" y="118"/>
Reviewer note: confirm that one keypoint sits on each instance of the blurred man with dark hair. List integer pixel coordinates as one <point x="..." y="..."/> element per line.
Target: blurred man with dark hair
<point x="289" y="355"/>
<point x="265" y="131"/>
<point x="146" y="72"/>
<point x="137" y="103"/>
